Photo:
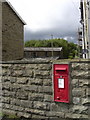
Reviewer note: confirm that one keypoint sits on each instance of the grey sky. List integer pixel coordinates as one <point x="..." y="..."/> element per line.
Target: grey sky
<point x="46" y="17"/>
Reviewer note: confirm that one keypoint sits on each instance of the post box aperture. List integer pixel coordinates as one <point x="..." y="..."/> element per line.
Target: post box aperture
<point x="61" y="82"/>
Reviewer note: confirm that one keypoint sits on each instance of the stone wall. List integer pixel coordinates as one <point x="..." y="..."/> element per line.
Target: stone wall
<point x="28" y="91"/>
<point x="12" y="34"/>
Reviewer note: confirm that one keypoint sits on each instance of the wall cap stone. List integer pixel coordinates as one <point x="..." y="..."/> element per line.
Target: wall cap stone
<point x="68" y="61"/>
<point x="31" y="61"/>
<point x="43" y="61"/>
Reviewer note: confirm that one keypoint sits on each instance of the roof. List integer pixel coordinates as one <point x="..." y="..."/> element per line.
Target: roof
<point x="10" y="5"/>
<point x="43" y="49"/>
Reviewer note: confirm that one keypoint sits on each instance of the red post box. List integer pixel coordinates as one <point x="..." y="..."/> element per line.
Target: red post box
<point x="61" y="82"/>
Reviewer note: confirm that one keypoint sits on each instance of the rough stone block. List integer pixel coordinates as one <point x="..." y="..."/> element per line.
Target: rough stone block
<point x="47" y="89"/>
<point x="54" y="114"/>
<point x="36" y="97"/>
<point x="14" y="101"/>
<point x="44" y="67"/>
<point x="22" y="95"/>
<point x="41" y="105"/>
<point x="17" y="108"/>
<point x="80" y="74"/>
<point x="36" y="81"/>
<point x="75" y="83"/>
<point x="6" y="66"/>
<point x="6" y="86"/>
<point x="80" y="66"/>
<point x="56" y="118"/>
<point x="14" y="87"/>
<point x="79" y="109"/>
<point x="40" y="89"/>
<point x="78" y="92"/>
<point x="28" y="73"/>
<point x="21" y="73"/>
<point x="6" y="106"/>
<point x="32" y="66"/>
<point x="39" y="117"/>
<point x="13" y="79"/>
<point x="31" y="88"/>
<point x="5" y="79"/>
<point x="21" y="103"/>
<point x="6" y="72"/>
<point x="42" y="74"/>
<point x="17" y="73"/>
<point x="38" y="112"/>
<point x="85" y="101"/>
<point x="8" y="112"/>
<point x="76" y="116"/>
<point x="26" y="103"/>
<point x="76" y="100"/>
<point x="19" y="67"/>
<point x="84" y="83"/>
<point x="88" y="92"/>
<point x="23" y="114"/>
<point x="6" y="93"/>
<point x="47" y="82"/>
<point x="59" y="107"/>
<point x="9" y="79"/>
<point x="22" y="80"/>
<point x="28" y="110"/>
<point x="48" y="98"/>
<point x="6" y="100"/>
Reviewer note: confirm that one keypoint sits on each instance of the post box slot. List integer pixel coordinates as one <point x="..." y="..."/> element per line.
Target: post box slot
<point x="61" y="69"/>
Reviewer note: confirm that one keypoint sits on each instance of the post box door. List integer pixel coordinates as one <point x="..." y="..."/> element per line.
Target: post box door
<point x="61" y="83"/>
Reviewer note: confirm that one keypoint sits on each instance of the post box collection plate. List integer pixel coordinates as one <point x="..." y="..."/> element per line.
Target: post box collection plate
<point x="61" y="82"/>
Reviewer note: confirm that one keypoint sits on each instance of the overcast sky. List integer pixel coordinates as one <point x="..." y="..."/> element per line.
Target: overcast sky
<point x="45" y="17"/>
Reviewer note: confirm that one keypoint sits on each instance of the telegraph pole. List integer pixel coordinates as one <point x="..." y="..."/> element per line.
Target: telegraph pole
<point x="85" y="31"/>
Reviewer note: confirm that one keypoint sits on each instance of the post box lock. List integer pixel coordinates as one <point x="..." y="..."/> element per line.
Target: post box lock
<point x="58" y="98"/>
<point x="61" y="82"/>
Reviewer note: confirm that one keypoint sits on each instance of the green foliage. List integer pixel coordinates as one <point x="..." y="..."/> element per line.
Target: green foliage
<point x="1" y="114"/>
<point x="5" y="116"/>
<point x="69" y="48"/>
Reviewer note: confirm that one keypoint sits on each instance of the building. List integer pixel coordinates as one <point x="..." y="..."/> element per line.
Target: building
<point x="84" y="32"/>
<point x="89" y="25"/>
<point x="0" y="32"/>
<point x="12" y="32"/>
<point x="43" y="52"/>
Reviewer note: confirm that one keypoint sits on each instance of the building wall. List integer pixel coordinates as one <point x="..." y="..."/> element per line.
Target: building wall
<point x="27" y="90"/>
<point x="12" y="35"/>
<point x="0" y="31"/>
<point x="89" y="28"/>
<point x="42" y="54"/>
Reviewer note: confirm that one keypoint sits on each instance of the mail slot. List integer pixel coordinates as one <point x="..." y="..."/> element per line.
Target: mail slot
<point x="61" y="82"/>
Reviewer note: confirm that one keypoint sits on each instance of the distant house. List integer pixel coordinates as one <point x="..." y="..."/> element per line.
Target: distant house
<point x="42" y="52"/>
<point x="12" y="33"/>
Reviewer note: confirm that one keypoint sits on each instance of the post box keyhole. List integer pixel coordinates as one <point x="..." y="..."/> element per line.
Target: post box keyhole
<point x="58" y="98"/>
